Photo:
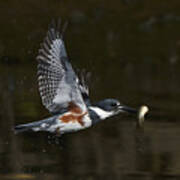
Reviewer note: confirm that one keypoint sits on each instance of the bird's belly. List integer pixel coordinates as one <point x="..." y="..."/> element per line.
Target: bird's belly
<point x="71" y="123"/>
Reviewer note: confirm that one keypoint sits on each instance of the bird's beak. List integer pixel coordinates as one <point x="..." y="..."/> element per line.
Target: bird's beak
<point x="127" y="109"/>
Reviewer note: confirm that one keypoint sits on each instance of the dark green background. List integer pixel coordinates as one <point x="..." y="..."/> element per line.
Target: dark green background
<point x="132" y="48"/>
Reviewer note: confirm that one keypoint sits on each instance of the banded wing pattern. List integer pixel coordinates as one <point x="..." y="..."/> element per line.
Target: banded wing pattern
<point x="58" y="83"/>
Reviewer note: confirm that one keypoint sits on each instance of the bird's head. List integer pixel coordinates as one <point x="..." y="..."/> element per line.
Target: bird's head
<point x="110" y="107"/>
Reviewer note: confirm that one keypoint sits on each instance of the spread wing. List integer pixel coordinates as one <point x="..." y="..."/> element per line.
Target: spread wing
<point x="58" y="83"/>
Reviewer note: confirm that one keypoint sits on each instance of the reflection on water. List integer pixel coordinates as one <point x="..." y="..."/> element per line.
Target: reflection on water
<point x="132" y="49"/>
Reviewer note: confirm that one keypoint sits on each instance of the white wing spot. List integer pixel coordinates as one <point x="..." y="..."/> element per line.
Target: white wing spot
<point x="43" y="125"/>
<point x="36" y="129"/>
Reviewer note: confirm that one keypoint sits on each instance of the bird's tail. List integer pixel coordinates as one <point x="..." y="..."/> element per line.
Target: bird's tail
<point x="34" y="126"/>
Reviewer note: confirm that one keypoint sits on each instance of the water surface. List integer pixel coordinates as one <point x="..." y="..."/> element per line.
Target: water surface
<point x="131" y="47"/>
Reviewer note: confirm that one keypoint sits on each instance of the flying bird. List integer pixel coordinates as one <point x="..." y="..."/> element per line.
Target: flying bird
<point x="64" y="94"/>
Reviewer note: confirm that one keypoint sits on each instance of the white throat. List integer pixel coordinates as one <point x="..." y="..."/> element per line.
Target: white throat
<point x="101" y="113"/>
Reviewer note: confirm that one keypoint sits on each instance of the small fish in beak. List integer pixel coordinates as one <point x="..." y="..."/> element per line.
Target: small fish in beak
<point x="143" y="110"/>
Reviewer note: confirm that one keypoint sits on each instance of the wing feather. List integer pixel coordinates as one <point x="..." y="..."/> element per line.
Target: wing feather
<point x="56" y="78"/>
<point x="83" y="85"/>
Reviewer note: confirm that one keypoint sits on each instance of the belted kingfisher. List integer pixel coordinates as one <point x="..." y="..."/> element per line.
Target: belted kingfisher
<point x="63" y="93"/>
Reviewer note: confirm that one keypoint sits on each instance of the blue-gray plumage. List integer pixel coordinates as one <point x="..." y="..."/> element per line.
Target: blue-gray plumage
<point x="64" y="94"/>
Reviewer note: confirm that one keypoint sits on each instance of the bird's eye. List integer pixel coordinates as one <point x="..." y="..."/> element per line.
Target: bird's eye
<point x="113" y="104"/>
